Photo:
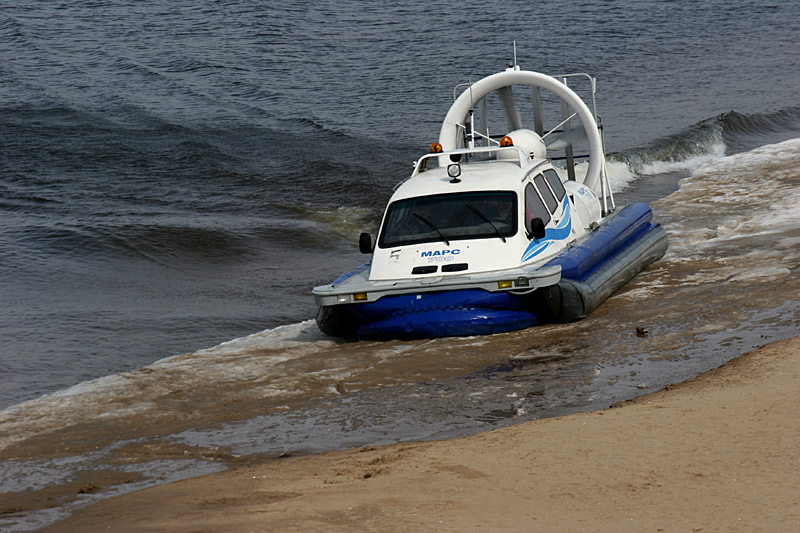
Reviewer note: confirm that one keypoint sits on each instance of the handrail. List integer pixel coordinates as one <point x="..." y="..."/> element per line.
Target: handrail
<point x="457" y="87"/>
<point x="482" y="136"/>
<point x="522" y="156"/>
<point x="592" y="83"/>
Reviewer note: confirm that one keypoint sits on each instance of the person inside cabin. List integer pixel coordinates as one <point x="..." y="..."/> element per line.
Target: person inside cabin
<point x="499" y="210"/>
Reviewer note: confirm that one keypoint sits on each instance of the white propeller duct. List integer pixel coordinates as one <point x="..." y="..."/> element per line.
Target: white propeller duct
<point x="451" y="131"/>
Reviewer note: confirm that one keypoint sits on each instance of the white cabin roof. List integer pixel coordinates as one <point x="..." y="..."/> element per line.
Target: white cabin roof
<point x="475" y="176"/>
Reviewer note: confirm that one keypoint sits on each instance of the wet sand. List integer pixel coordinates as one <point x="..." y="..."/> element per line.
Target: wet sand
<point x="717" y="453"/>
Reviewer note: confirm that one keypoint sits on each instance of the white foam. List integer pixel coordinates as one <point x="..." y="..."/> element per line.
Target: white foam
<point x="239" y="360"/>
<point x="715" y="151"/>
<point x="619" y="173"/>
<point x="756" y="157"/>
<point x="279" y="338"/>
<point x="749" y="195"/>
<point x="760" y="274"/>
<point x="654" y="286"/>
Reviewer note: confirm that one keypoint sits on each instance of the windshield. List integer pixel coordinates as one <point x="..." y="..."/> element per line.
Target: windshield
<point x="468" y="215"/>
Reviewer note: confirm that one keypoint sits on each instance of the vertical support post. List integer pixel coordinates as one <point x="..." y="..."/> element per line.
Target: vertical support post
<point x="608" y="194"/>
<point x="570" y="159"/>
<point x="471" y="129"/>
<point x="486" y="122"/>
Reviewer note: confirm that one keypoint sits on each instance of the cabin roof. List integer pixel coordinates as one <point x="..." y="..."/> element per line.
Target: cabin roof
<point x="475" y="176"/>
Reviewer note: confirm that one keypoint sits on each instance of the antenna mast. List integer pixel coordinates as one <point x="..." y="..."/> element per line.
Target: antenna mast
<point x="516" y="67"/>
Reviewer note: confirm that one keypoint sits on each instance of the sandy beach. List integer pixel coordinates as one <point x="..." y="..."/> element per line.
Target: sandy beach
<point x="716" y="453"/>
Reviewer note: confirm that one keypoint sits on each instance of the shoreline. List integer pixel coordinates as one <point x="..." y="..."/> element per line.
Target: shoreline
<point x="719" y="452"/>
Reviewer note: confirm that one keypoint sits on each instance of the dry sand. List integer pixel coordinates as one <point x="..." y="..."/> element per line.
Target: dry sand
<point x="717" y="453"/>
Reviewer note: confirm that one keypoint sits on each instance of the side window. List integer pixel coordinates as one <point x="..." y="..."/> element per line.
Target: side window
<point x="547" y="194"/>
<point x="534" y="207"/>
<point x="555" y="183"/>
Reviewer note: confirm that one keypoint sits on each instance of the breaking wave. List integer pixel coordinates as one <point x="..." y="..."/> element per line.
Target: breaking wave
<point x="709" y="139"/>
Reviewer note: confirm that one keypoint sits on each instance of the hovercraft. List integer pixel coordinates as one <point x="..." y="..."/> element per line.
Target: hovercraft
<point x="489" y="234"/>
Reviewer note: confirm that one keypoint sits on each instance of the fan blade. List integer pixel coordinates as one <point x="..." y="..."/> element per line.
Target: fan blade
<point x="567" y="138"/>
<point x="538" y="119"/>
<point x="512" y="111"/>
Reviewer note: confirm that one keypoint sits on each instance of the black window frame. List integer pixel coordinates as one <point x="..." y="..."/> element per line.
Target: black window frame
<point x="552" y="177"/>
<point x="542" y="207"/>
<point x="547" y="195"/>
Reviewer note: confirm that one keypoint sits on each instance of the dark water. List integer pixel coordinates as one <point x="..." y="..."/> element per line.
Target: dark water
<point x="174" y="175"/>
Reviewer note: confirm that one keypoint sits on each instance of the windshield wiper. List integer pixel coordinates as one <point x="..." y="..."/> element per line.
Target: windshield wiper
<point x="486" y="219"/>
<point x="429" y="223"/>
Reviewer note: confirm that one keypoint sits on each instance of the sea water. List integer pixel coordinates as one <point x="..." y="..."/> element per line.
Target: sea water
<point x="175" y="177"/>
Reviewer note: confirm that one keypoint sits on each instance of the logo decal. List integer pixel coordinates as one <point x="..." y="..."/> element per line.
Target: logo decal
<point x="436" y="253"/>
<point x="439" y="256"/>
<point x="560" y="232"/>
